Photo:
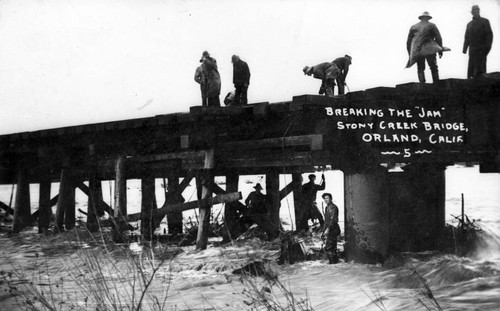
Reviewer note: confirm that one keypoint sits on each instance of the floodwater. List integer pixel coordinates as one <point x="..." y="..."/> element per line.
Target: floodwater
<point x="423" y="281"/>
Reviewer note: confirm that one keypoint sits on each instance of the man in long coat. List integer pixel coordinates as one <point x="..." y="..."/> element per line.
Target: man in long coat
<point x="424" y="41"/>
<point x="241" y="81"/>
<point x="478" y="38"/>
<point x="327" y="73"/>
<point x="199" y="77"/>
<point x="211" y="79"/>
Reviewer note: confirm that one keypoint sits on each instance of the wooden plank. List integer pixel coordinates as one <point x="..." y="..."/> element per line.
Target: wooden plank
<point x="161" y="212"/>
<point x="315" y="141"/>
<point x="202" y="154"/>
<point x="276" y="160"/>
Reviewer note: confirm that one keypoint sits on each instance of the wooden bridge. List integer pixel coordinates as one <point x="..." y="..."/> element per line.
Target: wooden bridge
<point x="366" y="134"/>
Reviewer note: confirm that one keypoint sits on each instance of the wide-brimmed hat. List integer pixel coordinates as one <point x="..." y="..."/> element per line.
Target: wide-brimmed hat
<point x="425" y="14"/>
<point x="311" y="176"/>
<point x="306" y="69"/>
<point x="258" y="186"/>
<point x="205" y="54"/>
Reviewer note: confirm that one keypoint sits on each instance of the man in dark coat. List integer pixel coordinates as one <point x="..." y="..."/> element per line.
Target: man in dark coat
<point x="327" y="73"/>
<point x="256" y="203"/>
<point x="308" y="208"/>
<point x="199" y="77"/>
<point x="212" y="79"/>
<point x="424" y="41"/>
<point x="478" y="38"/>
<point x="331" y="229"/>
<point x="343" y="64"/>
<point x="241" y="81"/>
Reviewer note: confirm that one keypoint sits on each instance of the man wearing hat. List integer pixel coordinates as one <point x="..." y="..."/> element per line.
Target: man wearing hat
<point x="241" y="80"/>
<point x="308" y="208"/>
<point x="331" y="229"/>
<point x="257" y="211"/>
<point x="478" y="39"/>
<point x="342" y="64"/>
<point x="327" y="73"/>
<point x="209" y="80"/>
<point x="424" y="41"/>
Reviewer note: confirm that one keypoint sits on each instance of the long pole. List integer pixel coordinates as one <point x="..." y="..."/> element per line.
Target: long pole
<point x="463" y="212"/>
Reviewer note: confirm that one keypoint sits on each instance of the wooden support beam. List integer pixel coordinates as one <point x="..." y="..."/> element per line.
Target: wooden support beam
<point x="204" y="208"/>
<point x="103" y="205"/>
<point x="120" y="207"/>
<point x="45" y="208"/>
<point x="297" y="195"/>
<point x="6" y="208"/>
<point x="148" y="206"/>
<point x="202" y="159"/>
<point x="66" y="199"/>
<point x="161" y="212"/>
<point x="174" y="218"/>
<point x="95" y="201"/>
<point x="273" y="195"/>
<point x="22" y="205"/>
<point x="314" y="142"/>
<point x="231" y="209"/>
<point x="279" y="159"/>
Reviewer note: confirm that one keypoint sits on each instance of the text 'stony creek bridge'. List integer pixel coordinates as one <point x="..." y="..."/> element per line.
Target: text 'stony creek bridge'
<point x="364" y="134"/>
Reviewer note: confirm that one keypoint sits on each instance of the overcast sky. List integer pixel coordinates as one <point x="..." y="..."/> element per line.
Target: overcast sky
<point x="67" y="62"/>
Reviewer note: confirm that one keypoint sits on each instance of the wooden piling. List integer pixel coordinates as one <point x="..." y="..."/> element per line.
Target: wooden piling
<point x="66" y="201"/>
<point x="95" y="200"/>
<point x="297" y="196"/>
<point x="45" y="208"/>
<point x="273" y="196"/>
<point x="204" y="214"/>
<point x="148" y="205"/>
<point x="231" y="209"/>
<point x="174" y="219"/>
<point x="120" y="208"/>
<point x="22" y="208"/>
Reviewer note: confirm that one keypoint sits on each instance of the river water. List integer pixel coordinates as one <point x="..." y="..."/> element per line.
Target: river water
<point x="423" y="281"/>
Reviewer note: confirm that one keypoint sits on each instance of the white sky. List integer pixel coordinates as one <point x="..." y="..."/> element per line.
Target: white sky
<point x="68" y="62"/>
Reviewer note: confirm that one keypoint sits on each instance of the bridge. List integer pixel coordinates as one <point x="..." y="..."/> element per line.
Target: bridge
<point x="392" y="143"/>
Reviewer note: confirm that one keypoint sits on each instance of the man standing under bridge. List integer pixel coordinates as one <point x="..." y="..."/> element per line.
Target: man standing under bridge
<point x="308" y="208"/>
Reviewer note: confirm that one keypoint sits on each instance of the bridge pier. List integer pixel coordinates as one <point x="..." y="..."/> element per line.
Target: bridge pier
<point x="44" y="206"/>
<point x="396" y="212"/>
<point x="94" y="209"/>
<point x="417" y="213"/>
<point x="22" y="205"/>
<point x="297" y="195"/>
<point x="273" y="195"/>
<point x="366" y="216"/>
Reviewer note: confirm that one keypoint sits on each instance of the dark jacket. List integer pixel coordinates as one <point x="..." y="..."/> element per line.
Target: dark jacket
<point x="478" y="35"/>
<point x="241" y="73"/>
<point x="256" y="203"/>
<point x="423" y="39"/>
<point x="343" y="64"/>
<point x="310" y="189"/>
<point x="332" y="219"/>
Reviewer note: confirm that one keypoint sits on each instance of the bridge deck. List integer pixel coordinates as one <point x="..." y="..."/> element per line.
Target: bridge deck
<point x="453" y="121"/>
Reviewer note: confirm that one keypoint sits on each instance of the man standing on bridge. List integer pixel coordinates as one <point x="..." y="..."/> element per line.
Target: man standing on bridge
<point x="308" y="207"/>
<point x="327" y="73"/>
<point x="478" y="38"/>
<point x="241" y="81"/>
<point x="342" y="64"/>
<point x="210" y="79"/>
<point x="424" y="41"/>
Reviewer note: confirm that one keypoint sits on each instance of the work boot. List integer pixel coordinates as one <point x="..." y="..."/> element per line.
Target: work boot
<point x="333" y="258"/>
<point x="435" y="77"/>
<point x="421" y="77"/>
<point x="329" y="92"/>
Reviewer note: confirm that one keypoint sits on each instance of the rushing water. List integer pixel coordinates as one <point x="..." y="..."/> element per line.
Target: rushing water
<point x="417" y="281"/>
